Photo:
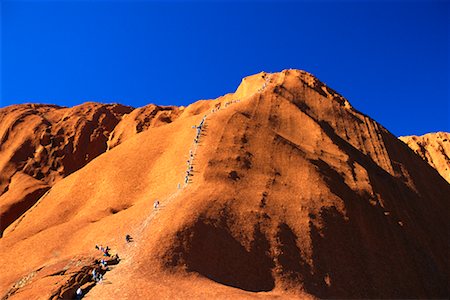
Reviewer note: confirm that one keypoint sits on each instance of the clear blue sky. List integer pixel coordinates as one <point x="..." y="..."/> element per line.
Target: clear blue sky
<point x="390" y="59"/>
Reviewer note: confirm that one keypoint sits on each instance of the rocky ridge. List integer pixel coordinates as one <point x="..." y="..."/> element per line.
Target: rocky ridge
<point x="292" y="193"/>
<point x="434" y="148"/>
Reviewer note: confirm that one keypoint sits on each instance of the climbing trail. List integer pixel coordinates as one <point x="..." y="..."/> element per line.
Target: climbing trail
<point x="137" y="234"/>
<point x="130" y="251"/>
<point x="266" y="83"/>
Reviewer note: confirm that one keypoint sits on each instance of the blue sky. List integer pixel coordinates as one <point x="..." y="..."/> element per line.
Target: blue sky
<point x="390" y="59"/>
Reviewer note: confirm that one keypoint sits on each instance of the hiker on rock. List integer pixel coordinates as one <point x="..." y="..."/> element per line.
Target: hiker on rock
<point x="103" y="263"/>
<point x="128" y="238"/>
<point x="106" y="252"/>
<point x="79" y="293"/>
<point x="115" y="258"/>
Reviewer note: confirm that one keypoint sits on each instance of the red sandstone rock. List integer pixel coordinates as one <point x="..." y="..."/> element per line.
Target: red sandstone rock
<point x="294" y="194"/>
<point x="434" y="148"/>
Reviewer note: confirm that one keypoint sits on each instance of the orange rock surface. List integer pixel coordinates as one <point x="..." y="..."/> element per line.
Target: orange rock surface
<point x="293" y="193"/>
<point x="48" y="142"/>
<point x="141" y="119"/>
<point x="434" y="148"/>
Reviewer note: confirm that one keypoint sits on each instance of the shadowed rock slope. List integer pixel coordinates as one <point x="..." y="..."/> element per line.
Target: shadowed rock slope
<point x="434" y="148"/>
<point x="48" y="142"/>
<point x="140" y="119"/>
<point x="293" y="194"/>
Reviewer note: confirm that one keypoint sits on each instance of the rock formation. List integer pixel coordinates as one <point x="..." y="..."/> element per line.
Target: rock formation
<point x="434" y="148"/>
<point x="47" y="143"/>
<point x="141" y="119"/>
<point x="293" y="193"/>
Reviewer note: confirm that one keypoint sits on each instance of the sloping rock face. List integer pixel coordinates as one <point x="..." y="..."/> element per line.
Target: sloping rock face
<point x="434" y="148"/>
<point x="47" y="143"/>
<point x="292" y="193"/>
<point x="21" y="196"/>
<point x="140" y="119"/>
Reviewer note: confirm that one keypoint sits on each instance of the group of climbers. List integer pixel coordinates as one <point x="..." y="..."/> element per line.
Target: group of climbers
<point x="230" y="102"/>
<point x="190" y="167"/>
<point x="226" y="104"/>
<point x="216" y="107"/>
<point x="97" y="276"/>
<point x="97" y="273"/>
<point x="266" y="82"/>
<point x="104" y="250"/>
<point x="199" y="129"/>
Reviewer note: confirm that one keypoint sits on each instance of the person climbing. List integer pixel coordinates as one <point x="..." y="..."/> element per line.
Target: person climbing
<point x="115" y="259"/>
<point x="94" y="275"/>
<point x="156" y="204"/>
<point x="106" y="252"/>
<point x="128" y="238"/>
<point x="103" y="263"/>
<point x="79" y="293"/>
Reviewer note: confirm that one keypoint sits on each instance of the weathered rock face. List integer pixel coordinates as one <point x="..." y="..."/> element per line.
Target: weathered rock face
<point x="292" y="193"/>
<point x="434" y="148"/>
<point x="47" y="143"/>
<point x="21" y="196"/>
<point x="140" y="119"/>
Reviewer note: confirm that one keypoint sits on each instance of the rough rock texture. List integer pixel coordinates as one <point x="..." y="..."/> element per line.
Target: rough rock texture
<point x="22" y="195"/>
<point x="434" y="148"/>
<point x="60" y="280"/>
<point x="293" y="194"/>
<point x="48" y="142"/>
<point x="140" y="119"/>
